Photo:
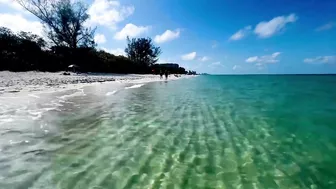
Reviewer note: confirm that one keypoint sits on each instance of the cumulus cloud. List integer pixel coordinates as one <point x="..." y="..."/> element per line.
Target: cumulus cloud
<point x="189" y="56"/>
<point x="252" y="59"/>
<point x="99" y="38"/>
<point x="131" y="30"/>
<point x="240" y="33"/>
<point x="264" y="59"/>
<point x="17" y="22"/>
<point x="168" y="35"/>
<point x="204" y="58"/>
<point x="12" y="4"/>
<point x="266" y="29"/>
<point x="117" y="51"/>
<point x="321" y="60"/>
<point x="327" y="26"/>
<point x="108" y="13"/>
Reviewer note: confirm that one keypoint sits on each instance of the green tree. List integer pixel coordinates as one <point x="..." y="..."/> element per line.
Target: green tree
<point x="20" y="52"/>
<point x="142" y="51"/>
<point x="28" y="37"/>
<point x="64" y="21"/>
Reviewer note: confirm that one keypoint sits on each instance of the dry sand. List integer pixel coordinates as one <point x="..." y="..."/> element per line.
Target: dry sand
<point x="15" y="82"/>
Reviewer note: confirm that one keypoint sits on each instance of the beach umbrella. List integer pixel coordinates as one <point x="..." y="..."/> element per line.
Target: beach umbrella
<point x="73" y="66"/>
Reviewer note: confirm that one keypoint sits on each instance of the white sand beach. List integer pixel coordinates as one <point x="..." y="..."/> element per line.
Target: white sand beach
<point x="18" y="82"/>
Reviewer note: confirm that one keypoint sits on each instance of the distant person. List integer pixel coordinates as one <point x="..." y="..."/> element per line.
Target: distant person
<point x="161" y="74"/>
<point x="166" y="74"/>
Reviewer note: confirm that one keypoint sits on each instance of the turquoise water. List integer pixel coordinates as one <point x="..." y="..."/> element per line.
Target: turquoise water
<point x="206" y="132"/>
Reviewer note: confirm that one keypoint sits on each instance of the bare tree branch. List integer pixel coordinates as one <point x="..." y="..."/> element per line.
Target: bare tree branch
<point x="64" y="20"/>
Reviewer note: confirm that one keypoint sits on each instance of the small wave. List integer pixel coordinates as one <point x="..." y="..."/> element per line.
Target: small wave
<point x="81" y="93"/>
<point x="32" y="95"/>
<point x="49" y="109"/>
<point x="110" y="93"/>
<point x="65" y="102"/>
<point x="12" y="142"/>
<point x="135" y="86"/>
<point x="35" y="115"/>
<point x="6" y="120"/>
<point x="55" y="103"/>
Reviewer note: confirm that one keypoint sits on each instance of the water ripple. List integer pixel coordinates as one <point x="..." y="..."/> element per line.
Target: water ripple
<point x="183" y="134"/>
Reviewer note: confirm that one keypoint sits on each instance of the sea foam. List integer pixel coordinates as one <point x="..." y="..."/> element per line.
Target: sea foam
<point x="135" y="86"/>
<point x="110" y="93"/>
<point x="80" y="93"/>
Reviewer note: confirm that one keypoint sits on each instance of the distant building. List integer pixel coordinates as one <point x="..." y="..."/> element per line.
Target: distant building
<point x="169" y="65"/>
<point x="172" y="68"/>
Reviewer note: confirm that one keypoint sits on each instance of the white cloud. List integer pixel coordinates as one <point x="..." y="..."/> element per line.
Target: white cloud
<point x="163" y="60"/>
<point x="267" y="29"/>
<point x="236" y="67"/>
<point x="252" y="59"/>
<point x="189" y="56"/>
<point x="274" y="55"/>
<point x="100" y="38"/>
<point x="117" y="51"/>
<point x="204" y="58"/>
<point x="17" y="22"/>
<point x="264" y="59"/>
<point x="321" y="60"/>
<point x="167" y="60"/>
<point x="108" y="13"/>
<point x="131" y="30"/>
<point x="327" y="26"/>
<point x="12" y="4"/>
<point x="240" y="34"/>
<point x="168" y="35"/>
<point x="216" y="64"/>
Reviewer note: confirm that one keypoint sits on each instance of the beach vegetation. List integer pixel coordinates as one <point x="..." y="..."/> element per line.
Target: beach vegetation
<point x="67" y="41"/>
<point x="63" y="20"/>
<point x="142" y="51"/>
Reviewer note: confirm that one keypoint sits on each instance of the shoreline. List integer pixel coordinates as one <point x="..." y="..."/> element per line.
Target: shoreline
<point x="12" y="83"/>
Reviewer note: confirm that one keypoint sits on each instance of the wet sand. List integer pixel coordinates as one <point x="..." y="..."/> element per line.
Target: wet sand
<point x="15" y="82"/>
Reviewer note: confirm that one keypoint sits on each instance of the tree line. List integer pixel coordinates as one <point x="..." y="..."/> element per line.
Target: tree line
<point x="68" y="41"/>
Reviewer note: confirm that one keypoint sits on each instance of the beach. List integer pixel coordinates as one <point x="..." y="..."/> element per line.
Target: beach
<point x="25" y="82"/>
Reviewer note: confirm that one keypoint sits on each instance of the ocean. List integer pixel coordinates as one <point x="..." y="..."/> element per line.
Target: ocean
<point x="244" y="132"/>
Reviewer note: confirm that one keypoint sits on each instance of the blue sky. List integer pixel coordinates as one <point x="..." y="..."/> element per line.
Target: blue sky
<point x="222" y="37"/>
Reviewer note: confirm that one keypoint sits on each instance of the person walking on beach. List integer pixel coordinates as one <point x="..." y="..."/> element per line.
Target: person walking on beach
<point x="166" y="74"/>
<point x="161" y="74"/>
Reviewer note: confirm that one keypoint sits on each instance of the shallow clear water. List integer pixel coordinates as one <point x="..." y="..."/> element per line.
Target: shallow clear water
<point x="204" y="132"/>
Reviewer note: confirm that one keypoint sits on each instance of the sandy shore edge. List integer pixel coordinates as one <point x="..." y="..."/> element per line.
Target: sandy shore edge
<point x="36" y="82"/>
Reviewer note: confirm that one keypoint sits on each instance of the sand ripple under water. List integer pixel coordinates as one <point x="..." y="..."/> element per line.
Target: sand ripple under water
<point x="177" y="134"/>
